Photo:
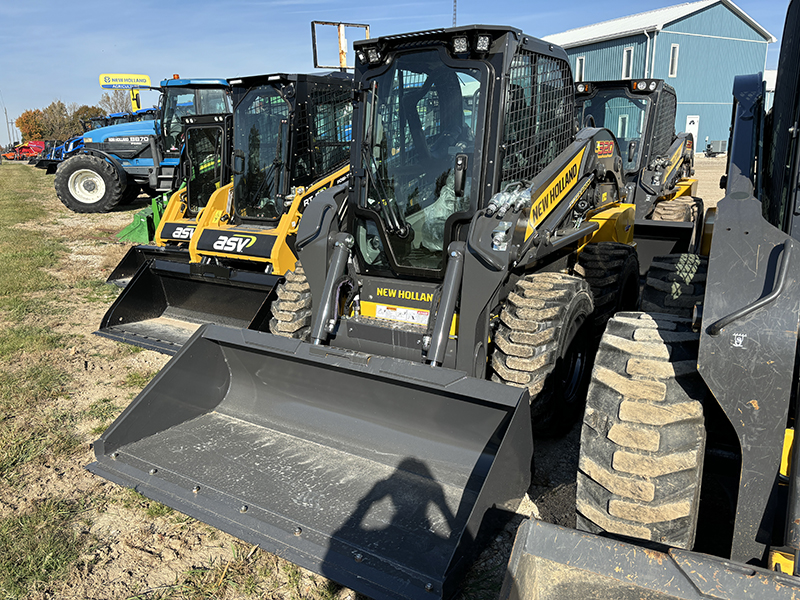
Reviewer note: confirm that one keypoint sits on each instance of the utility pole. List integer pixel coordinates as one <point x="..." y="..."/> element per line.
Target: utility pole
<point x="455" y="2"/>
<point x="8" y="128"/>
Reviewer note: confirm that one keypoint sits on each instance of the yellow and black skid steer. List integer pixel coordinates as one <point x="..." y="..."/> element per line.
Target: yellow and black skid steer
<point x="689" y="473"/>
<point x="443" y="308"/>
<point x="204" y="166"/>
<point x="658" y="163"/>
<point x="290" y="140"/>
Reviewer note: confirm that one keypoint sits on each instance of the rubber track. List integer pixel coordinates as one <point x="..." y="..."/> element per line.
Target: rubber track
<point x="291" y="312"/>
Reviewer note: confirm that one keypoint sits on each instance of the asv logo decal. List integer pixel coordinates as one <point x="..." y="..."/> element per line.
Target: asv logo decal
<point x="183" y="233"/>
<point x="234" y="243"/>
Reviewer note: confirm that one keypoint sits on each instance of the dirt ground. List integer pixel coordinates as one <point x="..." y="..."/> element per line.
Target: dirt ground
<point x="136" y="554"/>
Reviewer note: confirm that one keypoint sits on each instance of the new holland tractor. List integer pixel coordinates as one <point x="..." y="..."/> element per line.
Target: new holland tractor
<point x="116" y="162"/>
<point x="688" y="483"/>
<point x="443" y="307"/>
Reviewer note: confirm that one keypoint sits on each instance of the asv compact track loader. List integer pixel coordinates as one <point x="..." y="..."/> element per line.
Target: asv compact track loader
<point x="204" y="166"/>
<point x="658" y="163"/>
<point x="440" y="299"/>
<point x="290" y="140"/>
<point x="688" y="447"/>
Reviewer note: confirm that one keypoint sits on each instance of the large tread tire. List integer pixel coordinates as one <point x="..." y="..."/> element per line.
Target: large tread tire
<point x="131" y="193"/>
<point x="541" y="344"/>
<point x="291" y="311"/>
<point x="88" y="184"/>
<point x="612" y="271"/>
<point x="685" y="209"/>
<point x="675" y="283"/>
<point x="643" y="434"/>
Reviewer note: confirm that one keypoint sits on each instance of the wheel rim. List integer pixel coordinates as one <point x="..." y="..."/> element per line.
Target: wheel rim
<point x="86" y="186"/>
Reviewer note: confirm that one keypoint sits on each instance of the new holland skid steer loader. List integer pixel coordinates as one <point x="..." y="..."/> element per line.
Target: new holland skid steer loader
<point x="291" y="140"/>
<point x="658" y="163"/>
<point x="445" y="306"/>
<point x="688" y="448"/>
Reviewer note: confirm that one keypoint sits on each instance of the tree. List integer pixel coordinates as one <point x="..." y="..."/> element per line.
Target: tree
<point x="30" y="124"/>
<point x="84" y="113"/>
<point x="56" y="122"/>
<point x="116" y="101"/>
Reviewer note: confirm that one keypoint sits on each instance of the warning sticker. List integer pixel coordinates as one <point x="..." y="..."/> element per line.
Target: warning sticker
<point x="404" y="315"/>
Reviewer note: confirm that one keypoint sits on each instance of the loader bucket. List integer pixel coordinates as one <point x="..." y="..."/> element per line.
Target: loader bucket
<point x="166" y="302"/>
<point x="378" y="473"/>
<point x="139" y="255"/>
<point x="549" y="562"/>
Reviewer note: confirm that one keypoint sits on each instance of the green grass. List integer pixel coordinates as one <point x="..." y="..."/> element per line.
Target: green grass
<point x="99" y="290"/>
<point x="138" y="379"/>
<point x="31" y="386"/>
<point x="28" y="338"/>
<point x="37" y="547"/>
<point x="29" y="251"/>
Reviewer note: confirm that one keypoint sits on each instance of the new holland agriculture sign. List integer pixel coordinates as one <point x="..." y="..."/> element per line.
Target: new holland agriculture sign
<point x="122" y="81"/>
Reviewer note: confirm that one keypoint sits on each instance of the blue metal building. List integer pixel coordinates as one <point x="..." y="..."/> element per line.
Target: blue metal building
<point x="697" y="48"/>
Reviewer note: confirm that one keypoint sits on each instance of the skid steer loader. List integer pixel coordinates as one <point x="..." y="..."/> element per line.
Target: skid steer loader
<point x="291" y="140"/>
<point x="204" y="166"/>
<point x="442" y="307"/>
<point x="658" y="163"/>
<point x="688" y="448"/>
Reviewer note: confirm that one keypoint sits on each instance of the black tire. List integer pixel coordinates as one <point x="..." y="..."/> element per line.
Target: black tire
<point x="131" y="193"/>
<point x="87" y="184"/>
<point x="291" y="312"/>
<point x="685" y="209"/>
<point x="542" y="343"/>
<point x="643" y="435"/>
<point x="675" y="283"/>
<point x="612" y="271"/>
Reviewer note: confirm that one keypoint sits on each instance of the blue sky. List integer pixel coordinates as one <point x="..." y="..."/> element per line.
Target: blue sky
<point x="56" y="49"/>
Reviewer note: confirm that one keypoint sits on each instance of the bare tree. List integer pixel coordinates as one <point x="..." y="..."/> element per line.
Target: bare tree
<point x="115" y="101"/>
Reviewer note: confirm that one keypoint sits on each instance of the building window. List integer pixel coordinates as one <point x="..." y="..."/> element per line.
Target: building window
<point x="673" y="60"/>
<point x="580" y="67"/>
<point x="627" y="63"/>
<point x="622" y="127"/>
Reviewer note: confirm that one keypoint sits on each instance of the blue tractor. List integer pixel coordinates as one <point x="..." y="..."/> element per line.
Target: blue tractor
<point x="116" y="163"/>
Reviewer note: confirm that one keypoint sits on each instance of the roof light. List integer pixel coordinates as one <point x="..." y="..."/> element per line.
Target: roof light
<point x="641" y="85"/>
<point x="373" y="55"/>
<point x="176" y="76"/>
<point x="362" y="58"/>
<point x="484" y="41"/>
<point x="581" y="88"/>
<point x="460" y="45"/>
<point x="653" y="85"/>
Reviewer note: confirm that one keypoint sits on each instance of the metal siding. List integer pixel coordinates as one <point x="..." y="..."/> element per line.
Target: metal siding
<point x="704" y="84"/>
<point x="715" y="20"/>
<point x="604" y="60"/>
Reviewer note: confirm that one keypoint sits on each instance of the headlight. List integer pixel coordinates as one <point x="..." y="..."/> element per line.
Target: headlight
<point x="581" y="88"/>
<point x="641" y="85"/>
<point x="460" y="45"/>
<point x="653" y="85"/>
<point x="484" y="41"/>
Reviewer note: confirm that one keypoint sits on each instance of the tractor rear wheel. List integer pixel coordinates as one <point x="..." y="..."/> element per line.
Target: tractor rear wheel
<point x="88" y="184"/>
<point x="543" y="344"/>
<point x="643" y="435"/>
<point x="291" y="312"/>
<point x="675" y="283"/>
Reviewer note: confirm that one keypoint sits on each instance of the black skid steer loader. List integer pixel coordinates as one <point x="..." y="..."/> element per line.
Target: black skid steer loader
<point x="689" y="475"/>
<point x="443" y="306"/>
<point x="231" y="244"/>
<point x="658" y="162"/>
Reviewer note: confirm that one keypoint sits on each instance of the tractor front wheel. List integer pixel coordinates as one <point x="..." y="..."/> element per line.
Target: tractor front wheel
<point x="88" y="184"/>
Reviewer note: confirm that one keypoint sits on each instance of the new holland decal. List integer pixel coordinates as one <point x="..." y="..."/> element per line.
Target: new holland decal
<point x="554" y="193"/>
